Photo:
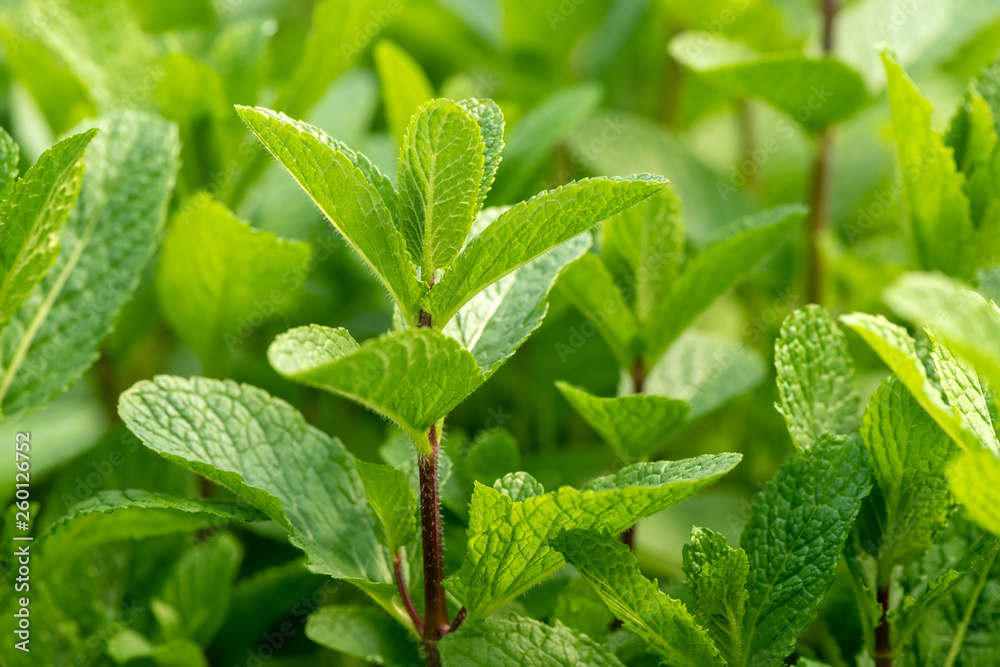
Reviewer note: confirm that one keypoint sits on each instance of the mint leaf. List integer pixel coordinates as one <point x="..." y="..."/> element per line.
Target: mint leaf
<point x="405" y="87"/>
<point x="705" y="370"/>
<point x="215" y="271"/>
<point x="530" y="228"/>
<point x="32" y="218"/>
<point x="388" y="374"/>
<point x="508" y="550"/>
<point x="898" y="351"/>
<point x="106" y="244"/>
<point x="198" y="587"/>
<point x="646" y="243"/>
<point x="440" y="172"/>
<point x="909" y="453"/>
<point x="495" y="322"/>
<point x="590" y="287"/>
<point x="391" y="498"/>
<point x="519" y="486"/>
<point x="635" y="426"/>
<point x="937" y="210"/>
<point x="521" y="642"/>
<point x="664" y="624"/>
<point x="262" y="449"/>
<point x="975" y="481"/>
<point x="793" y="542"/>
<point x="816" y="92"/>
<point x="10" y="155"/>
<point x="965" y="393"/>
<point x="717" y="577"/>
<point x="706" y="277"/>
<point x="346" y="195"/>
<point x="815" y="377"/>
<point x="490" y="119"/>
<point x="362" y="632"/>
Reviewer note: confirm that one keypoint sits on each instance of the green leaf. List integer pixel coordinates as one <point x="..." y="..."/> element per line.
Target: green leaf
<point x="519" y="486"/>
<point x="405" y="87"/>
<point x="199" y="585"/>
<point x="793" y="542"/>
<point x="495" y="322"/>
<point x="521" y="642"/>
<point x="106" y="244"/>
<point x="709" y="275"/>
<point x="936" y="208"/>
<point x="816" y="92"/>
<point x="663" y="623"/>
<point x="898" y="351"/>
<point x="391" y="498"/>
<point x="111" y="516"/>
<point x="815" y="377"/>
<point x="508" y="550"/>
<point x="364" y="633"/>
<point x="965" y="394"/>
<point x="538" y="132"/>
<point x="909" y="453"/>
<point x="717" y="577"/>
<point x="345" y="194"/>
<point x="10" y="155"/>
<point x="705" y="370"/>
<point x="646" y="244"/>
<point x="440" y="172"/>
<point x="414" y="377"/>
<point x="590" y="287"/>
<point x="217" y="275"/>
<point x="490" y="119"/>
<point x="530" y="228"/>
<point x="635" y="426"/>
<point x="33" y="215"/>
<point x="975" y="481"/>
<point x="264" y="451"/>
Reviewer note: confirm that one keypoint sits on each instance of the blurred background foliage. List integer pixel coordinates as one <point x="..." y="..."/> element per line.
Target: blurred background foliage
<point x="587" y="87"/>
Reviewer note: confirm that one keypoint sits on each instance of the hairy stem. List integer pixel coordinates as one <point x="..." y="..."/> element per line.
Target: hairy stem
<point x="820" y="195"/>
<point x="435" y="606"/>
<point x="883" y="640"/>
<point x="411" y="610"/>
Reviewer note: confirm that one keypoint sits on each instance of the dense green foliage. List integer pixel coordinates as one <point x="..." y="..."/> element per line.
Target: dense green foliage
<point x="500" y="332"/>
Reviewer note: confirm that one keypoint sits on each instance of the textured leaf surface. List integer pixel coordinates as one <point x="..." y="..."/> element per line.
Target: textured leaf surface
<point x="635" y="426"/>
<point x="345" y="194"/>
<point x="519" y="486"/>
<point x="413" y="377"/>
<point x="898" y="351"/>
<point x="521" y="642"/>
<point x="262" y="449"/>
<point x="590" y="287"/>
<point x="391" y="498"/>
<point x="814" y="91"/>
<point x="215" y="272"/>
<point x="961" y="386"/>
<point x="405" y="87"/>
<point x="495" y="322"/>
<point x="363" y="632"/>
<point x="440" y="172"/>
<point x="909" y="453"/>
<point x="106" y="243"/>
<point x="815" y="377"/>
<point x="32" y="217"/>
<point x="530" y="228"/>
<point x="717" y="577"/>
<point x="975" y="481"/>
<point x="937" y="210"/>
<point x="664" y="624"/>
<point x="794" y="540"/>
<point x="490" y="119"/>
<point x="706" y="277"/>
<point x="508" y="550"/>
<point x="10" y="154"/>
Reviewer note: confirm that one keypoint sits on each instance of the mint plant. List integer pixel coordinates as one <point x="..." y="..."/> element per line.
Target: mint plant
<point x="467" y="293"/>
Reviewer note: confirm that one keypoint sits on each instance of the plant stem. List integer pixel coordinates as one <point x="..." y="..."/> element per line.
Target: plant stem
<point x="435" y="606"/>
<point x="963" y="626"/>
<point x="820" y="197"/>
<point x="883" y="641"/>
<point x="397" y="571"/>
